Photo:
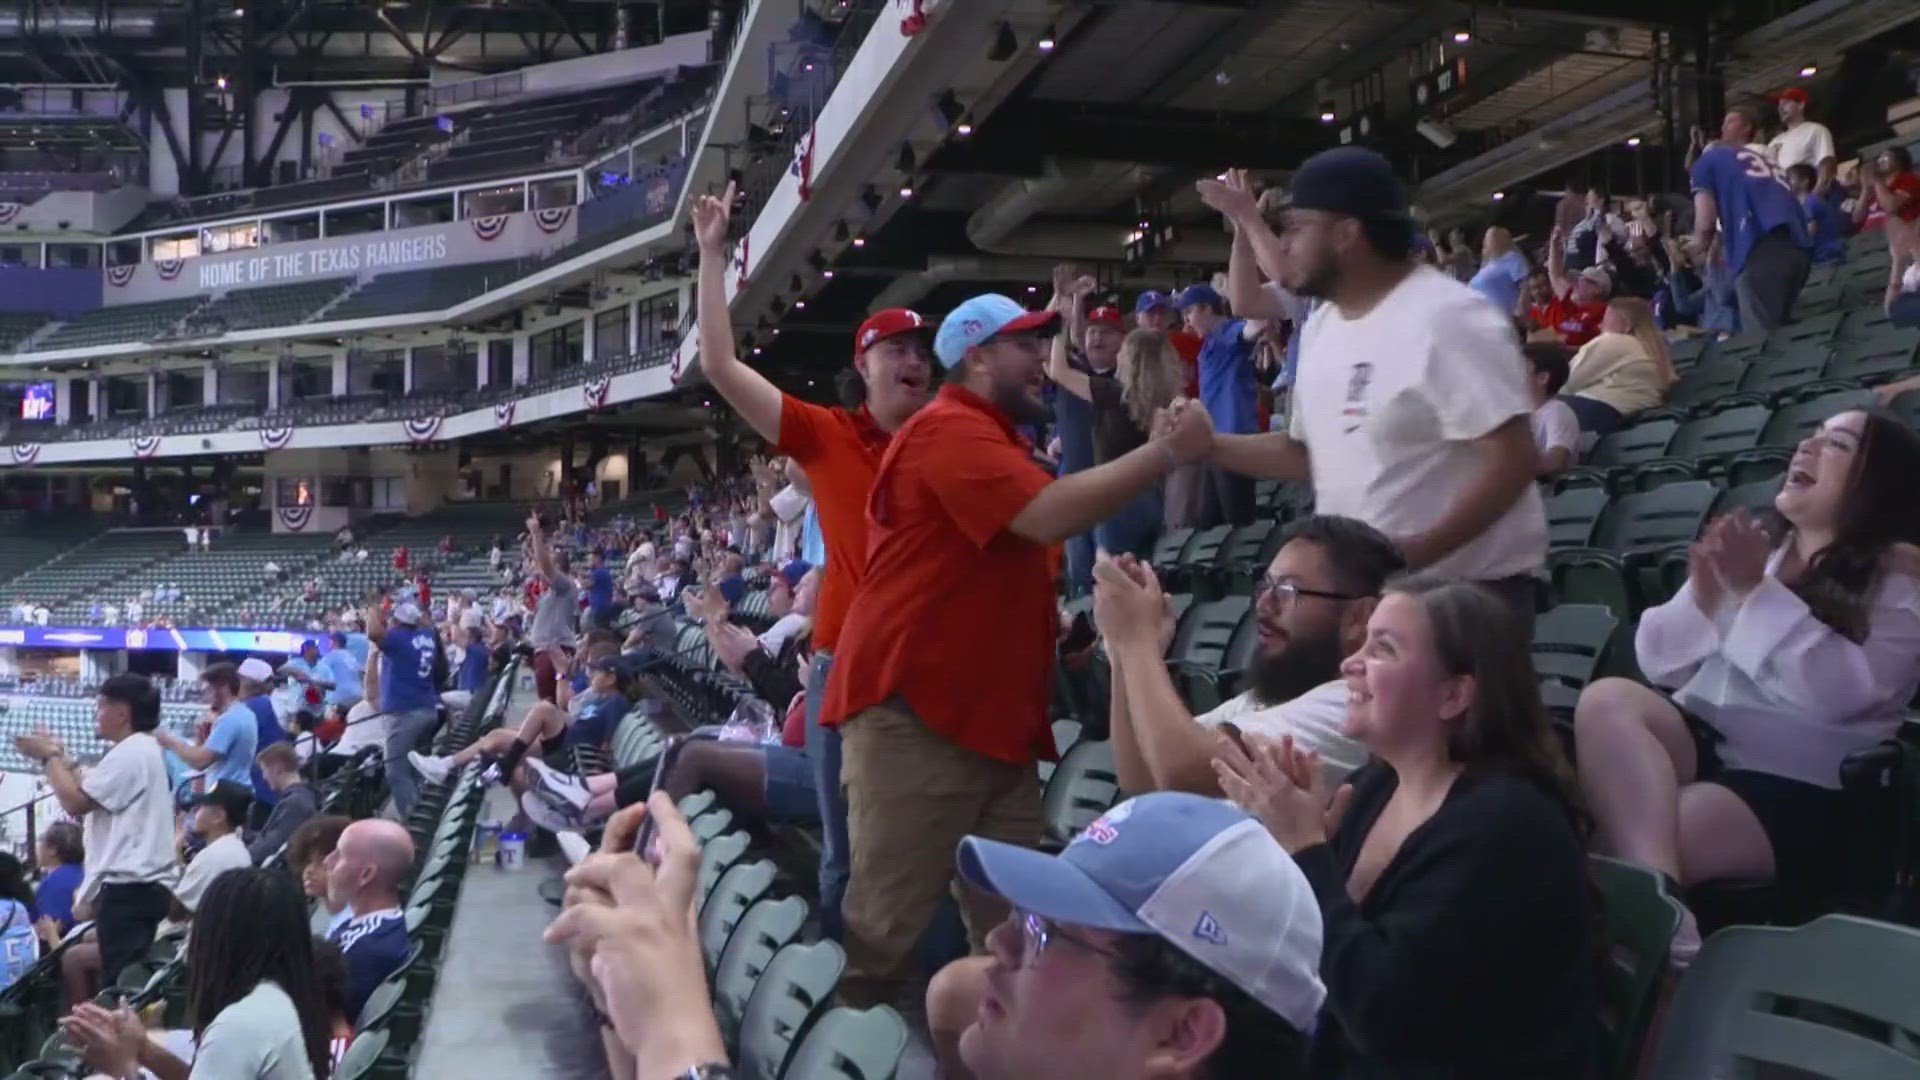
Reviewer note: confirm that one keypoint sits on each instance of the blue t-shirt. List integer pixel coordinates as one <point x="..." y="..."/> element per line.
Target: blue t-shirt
<point x="813" y="542"/>
<point x="53" y="898"/>
<point x="1754" y="200"/>
<point x="267" y="731"/>
<point x="1499" y="281"/>
<point x="600" y="589"/>
<point x="733" y="587"/>
<point x="236" y="738"/>
<point x="406" y="675"/>
<point x="1228" y="388"/>
<point x="345" y="671"/>
<point x="375" y="946"/>
<point x="473" y="670"/>
<point x="19" y="945"/>
<point x="594" y="726"/>
<point x="1829" y="239"/>
<point x="1073" y="423"/>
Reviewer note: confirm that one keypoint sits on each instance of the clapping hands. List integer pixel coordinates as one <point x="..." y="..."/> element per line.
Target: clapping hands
<point x="1129" y="607"/>
<point x="1729" y="560"/>
<point x="1285" y="787"/>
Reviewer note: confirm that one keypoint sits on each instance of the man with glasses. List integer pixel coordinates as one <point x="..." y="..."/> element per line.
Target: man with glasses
<point x="1172" y="938"/>
<point x="1310" y="612"/>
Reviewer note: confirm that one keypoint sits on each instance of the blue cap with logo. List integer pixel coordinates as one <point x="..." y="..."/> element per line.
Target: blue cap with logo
<point x="1200" y="294"/>
<point x="1151" y="300"/>
<point x="981" y="319"/>
<point x="1197" y="872"/>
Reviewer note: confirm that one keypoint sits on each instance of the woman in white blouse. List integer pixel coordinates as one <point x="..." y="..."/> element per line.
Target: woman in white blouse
<point x="1781" y="660"/>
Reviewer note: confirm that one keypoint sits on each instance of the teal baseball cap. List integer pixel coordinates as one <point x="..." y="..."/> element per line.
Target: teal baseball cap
<point x="979" y="320"/>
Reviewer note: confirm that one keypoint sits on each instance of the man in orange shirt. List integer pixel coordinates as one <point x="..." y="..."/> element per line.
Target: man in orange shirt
<point x="943" y="675"/>
<point x="839" y="450"/>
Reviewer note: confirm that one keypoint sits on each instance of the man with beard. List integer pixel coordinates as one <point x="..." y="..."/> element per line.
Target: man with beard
<point x="1412" y="410"/>
<point x="944" y="672"/>
<point x="838" y="450"/>
<point x="1311" y="612"/>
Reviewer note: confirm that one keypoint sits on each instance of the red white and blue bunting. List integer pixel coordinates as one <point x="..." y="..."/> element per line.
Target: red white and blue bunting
<point x="168" y="269"/>
<point x="118" y="276"/>
<point x="422" y="429"/>
<point x="503" y="413"/>
<point x="276" y="438"/>
<point x="595" y="392"/>
<point x="803" y="163"/>
<point x="24" y="453"/>
<point x="9" y="211"/>
<point x="295" y="518"/>
<point x="553" y="220"/>
<point x="145" y="446"/>
<point x="916" y="18"/>
<point x="489" y="228"/>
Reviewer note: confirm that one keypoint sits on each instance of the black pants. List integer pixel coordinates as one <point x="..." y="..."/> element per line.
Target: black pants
<point x="1771" y="281"/>
<point x="1229" y="497"/>
<point x="125" y="919"/>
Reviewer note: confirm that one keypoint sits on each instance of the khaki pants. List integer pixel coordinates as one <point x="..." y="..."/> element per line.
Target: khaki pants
<point x="911" y="796"/>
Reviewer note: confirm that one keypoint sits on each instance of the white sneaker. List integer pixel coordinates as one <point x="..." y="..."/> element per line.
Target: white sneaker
<point x="561" y="788"/>
<point x="433" y="770"/>
<point x="556" y="819"/>
<point x="1686" y="941"/>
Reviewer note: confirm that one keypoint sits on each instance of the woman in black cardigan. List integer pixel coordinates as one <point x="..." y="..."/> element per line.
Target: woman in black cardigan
<point x="1451" y="870"/>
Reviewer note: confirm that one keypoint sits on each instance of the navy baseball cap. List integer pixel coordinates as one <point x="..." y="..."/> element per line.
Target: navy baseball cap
<point x="1150" y="300"/>
<point x="1200" y="294"/>
<point x="1351" y="180"/>
<point x="1197" y="872"/>
<point x="983" y="318"/>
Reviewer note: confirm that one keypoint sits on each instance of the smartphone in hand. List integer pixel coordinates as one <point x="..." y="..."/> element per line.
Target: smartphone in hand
<point x="644" y="843"/>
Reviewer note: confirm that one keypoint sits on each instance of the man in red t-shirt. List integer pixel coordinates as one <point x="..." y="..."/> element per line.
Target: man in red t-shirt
<point x="839" y="450"/>
<point x="1579" y="301"/>
<point x="944" y="669"/>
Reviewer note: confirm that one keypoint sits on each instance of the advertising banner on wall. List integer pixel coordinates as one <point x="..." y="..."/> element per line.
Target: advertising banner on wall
<point x="473" y="240"/>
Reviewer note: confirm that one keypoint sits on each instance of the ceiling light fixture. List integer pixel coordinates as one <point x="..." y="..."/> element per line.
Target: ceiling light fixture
<point x="1809" y="71"/>
<point x="1047" y="40"/>
<point x="859" y="241"/>
<point x="1498" y="195"/>
<point x="1462" y="35"/>
<point x="1633" y="140"/>
<point x="1327" y="115"/>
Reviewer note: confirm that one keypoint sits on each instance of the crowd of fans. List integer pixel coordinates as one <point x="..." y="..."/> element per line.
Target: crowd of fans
<point x="1372" y="862"/>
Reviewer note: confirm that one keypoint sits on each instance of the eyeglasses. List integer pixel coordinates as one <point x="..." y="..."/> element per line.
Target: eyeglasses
<point x="1286" y="592"/>
<point x="1038" y="933"/>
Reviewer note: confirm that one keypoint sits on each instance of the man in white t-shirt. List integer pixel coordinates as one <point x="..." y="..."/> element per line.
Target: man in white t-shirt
<point x="127" y="803"/>
<point x="1802" y="141"/>
<point x="1411" y="409"/>
<point x="218" y="814"/>
<point x="1556" y="430"/>
<point x="1311" y="612"/>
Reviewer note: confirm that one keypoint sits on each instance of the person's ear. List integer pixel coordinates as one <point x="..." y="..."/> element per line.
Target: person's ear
<point x="1456" y="696"/>
<point x="1185" y="1033"/>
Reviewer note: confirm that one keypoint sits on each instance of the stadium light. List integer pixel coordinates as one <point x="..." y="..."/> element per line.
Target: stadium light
<point x="906" y="189"/>
<point x="1327" y="115"/>
<point x="1498" y="195"/>
<point x="859" y="241"/>
<point x="1809" y="71"/>
<point x="1047" y="40"/>
<point x="1462" y="35"/>
<point x="965" y="129"/>
<point x="1633" y="140"/>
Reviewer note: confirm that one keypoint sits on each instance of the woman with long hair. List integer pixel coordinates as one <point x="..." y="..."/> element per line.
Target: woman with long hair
<point x="1451" y="870"/>
<point x="1628" y="369"/>
<point x="1781" y="655"/>
<point x="254" y="998"/>
<point x="1146" y="379"/>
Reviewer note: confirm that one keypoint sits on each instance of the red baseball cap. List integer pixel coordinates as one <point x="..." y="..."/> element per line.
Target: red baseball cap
<point x="1792" y="93"/>
<point x="892" y="322"/>
<point x="1106" y="316"/>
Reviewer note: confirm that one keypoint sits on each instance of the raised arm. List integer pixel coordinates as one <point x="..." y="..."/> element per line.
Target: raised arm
<point x="1557" y="262"/>
<point x="751" y="394"/>
<point x="1256" y="250"/>
<point x="1071" y="303"/>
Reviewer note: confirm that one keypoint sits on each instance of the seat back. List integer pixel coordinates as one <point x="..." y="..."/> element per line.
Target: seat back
<point x="1672" y="514"/>
<point x="1570" y="642"/>
<point x="1640" y="919"/>
<point x="1832" y="999"/>
<point x="1633" y="445"/>
<point x="796" y="987"/>
<point x="766" y="928"/>
<point x="1085" y="785"/>
<point x="1721" y="433"/>
<point x="1573" y="514"/>
<point x="717" y="856"/>
<point x="737" y="890"/>
<point x="850" y="1044"/>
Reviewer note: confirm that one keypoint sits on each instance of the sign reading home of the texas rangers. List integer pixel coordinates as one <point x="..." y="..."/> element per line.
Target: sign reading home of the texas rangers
<point x="341" y="258"/>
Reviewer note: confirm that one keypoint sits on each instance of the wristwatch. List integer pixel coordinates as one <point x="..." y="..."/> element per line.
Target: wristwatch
<point x="714" y="1070"/>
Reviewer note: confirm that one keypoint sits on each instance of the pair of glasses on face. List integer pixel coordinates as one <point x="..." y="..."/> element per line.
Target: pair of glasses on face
<point x="1039" y="933"/>
<point x="1284" y="593"/>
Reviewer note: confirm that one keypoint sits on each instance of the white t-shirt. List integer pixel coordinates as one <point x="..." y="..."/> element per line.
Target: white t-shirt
<point x="227" y="853"/>
<point x="784" y="628"/>
<point x="359" y="735"/>
<point x="1807" y="143"/>
<point x="1389" y="404"/>
<point x="1555" y="427"/>
<point x="1317" y="721"/>
<point x="129" y="838"/>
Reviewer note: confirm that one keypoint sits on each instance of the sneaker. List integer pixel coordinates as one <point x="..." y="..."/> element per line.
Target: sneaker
<point x="1686" y="941"/>
<point x="555" y="818"/>
<point x="561" y="788"/>
<point x="433" y="770"/>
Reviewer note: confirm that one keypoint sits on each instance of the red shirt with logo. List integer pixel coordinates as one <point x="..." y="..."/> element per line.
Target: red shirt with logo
<point x="1575" y="322"/>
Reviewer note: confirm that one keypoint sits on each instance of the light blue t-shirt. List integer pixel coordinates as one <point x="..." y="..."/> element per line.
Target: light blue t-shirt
<point x="344" y="670"/>
<point x="813" y="542"/>
<point x="236" y="738"/>
<point x="19" y="945"/>
<point x="1499" y="280"/>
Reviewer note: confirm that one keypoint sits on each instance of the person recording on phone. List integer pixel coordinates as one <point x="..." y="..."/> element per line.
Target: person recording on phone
<point x="1311" y="611"/>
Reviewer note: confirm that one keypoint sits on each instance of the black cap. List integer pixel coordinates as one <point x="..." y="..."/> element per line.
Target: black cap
<point x="608" y="663"/>
<point x="1349" y="180"/>
<point x="235" y="799"/>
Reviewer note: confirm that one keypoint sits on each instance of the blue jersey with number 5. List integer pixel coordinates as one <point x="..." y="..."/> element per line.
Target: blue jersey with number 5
<point x="406" y="671"/>
<point x="1753" y="197"/>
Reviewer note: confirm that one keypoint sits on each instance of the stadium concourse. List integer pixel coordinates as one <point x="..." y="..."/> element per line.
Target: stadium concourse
<point x="845" y="539"/>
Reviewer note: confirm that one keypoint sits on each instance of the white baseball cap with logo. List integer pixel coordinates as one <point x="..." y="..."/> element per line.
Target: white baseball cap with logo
<point x="1196" y="872"/>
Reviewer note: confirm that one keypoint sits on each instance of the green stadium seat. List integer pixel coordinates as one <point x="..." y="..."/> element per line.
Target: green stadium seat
<point x="764" y="930"/>
<point x="1623" y="450"/>
<point x="1085" y="785"/>
<point x="1573" y="514"/>
<point x="716" y="858"/>
<point x="796" y="987"/>
<point x="1640" y="919"/>
<point x="1699" y="444"/>
<point x="1621" y="569"/>
<point x="849" y="1044"/>
<point x="738" y="889"/>
<point x="1570" y="642"/>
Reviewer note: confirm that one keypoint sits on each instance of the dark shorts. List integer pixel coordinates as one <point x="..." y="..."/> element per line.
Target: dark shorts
<point x="550" y="748"/>
<point x="545" y="682"/>
<point x="1806" y="825"/>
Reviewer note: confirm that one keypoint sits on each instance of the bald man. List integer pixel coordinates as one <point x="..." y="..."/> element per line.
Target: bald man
<point x="363" y="878"/>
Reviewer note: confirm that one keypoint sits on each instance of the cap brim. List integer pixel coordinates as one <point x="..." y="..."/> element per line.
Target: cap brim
<point x="1031" y="322"/>
<point x="924" y="332"/>
<point x="1045" y="885"/>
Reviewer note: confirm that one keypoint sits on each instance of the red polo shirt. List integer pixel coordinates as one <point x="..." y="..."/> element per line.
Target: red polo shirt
<point x="955" y="614"/>
<point x="839" y="451"/>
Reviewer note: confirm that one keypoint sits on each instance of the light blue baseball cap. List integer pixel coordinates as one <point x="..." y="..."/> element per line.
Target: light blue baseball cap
<point x="1197" y="872"/>
<point x="982" y="318"/>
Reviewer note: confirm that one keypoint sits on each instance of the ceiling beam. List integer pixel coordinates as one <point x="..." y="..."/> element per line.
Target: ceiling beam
<point x="1154" y="137"/>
